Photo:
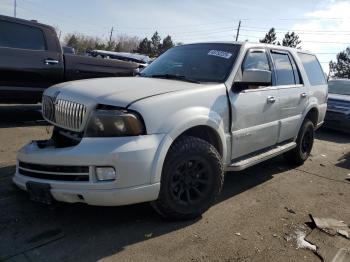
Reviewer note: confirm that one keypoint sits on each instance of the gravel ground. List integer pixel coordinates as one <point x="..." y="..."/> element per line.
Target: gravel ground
<point x="255" y="218"/>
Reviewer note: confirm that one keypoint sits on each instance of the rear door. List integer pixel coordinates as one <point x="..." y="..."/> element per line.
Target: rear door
<point x="255" y="110"/>
<point x="293" y="94"/>
<point x="29" y="59"/>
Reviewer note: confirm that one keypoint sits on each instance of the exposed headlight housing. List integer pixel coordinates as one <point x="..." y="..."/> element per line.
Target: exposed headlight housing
<point x="114" y="123"/>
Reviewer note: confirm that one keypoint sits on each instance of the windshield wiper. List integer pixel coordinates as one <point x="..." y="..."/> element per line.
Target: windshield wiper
<point x="177" y="77"/>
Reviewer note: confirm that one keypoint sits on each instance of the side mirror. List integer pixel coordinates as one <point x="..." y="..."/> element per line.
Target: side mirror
<point x="256" y="77"/>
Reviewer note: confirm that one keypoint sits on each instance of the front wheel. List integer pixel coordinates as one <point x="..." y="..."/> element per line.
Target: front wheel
<point x="305" y="141"/>
<point x="192" y="178"/>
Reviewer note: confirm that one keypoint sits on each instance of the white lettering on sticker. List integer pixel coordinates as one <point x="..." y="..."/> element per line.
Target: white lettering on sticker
<point x="219" y="53"/>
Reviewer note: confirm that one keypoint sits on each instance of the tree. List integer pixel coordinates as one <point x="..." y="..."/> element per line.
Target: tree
<point x="126" y="43"/>
<point x="155" y="44"/>
<point x="270" y="37"/>
<point x="167" y="44"/>
<point x="81" y="43"/>
<point x="341" y="68"/>
<point x="291" y="40"/>
<point x="144" y="47"/>
<point x="71" y="40"/>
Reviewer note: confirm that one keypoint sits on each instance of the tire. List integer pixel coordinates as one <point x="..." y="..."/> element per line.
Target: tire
<point x="192" y="178"/>
<point x="305" y="141"/>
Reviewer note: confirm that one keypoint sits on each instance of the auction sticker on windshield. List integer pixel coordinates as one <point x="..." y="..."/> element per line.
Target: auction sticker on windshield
<point x="219" y="53"/>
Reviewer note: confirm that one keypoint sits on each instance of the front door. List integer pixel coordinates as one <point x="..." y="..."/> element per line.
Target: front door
<point x="28" y="63"/>
<point x="255" y="110"/>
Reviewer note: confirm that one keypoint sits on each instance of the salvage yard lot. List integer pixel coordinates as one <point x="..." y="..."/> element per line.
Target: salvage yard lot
<point x="255" y="218"/>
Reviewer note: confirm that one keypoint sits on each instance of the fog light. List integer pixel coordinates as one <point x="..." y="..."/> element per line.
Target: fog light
<point x="105" y="173"/>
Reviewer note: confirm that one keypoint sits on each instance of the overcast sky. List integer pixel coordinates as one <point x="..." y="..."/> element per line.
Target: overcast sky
<point x="322" y="24"/>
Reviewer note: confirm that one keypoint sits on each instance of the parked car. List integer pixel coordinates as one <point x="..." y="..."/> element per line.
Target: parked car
<point x="31" y="59"/>
<point x="338" y="111"/>
<point x="168" y="135"/>
<point x="142" y="60"/>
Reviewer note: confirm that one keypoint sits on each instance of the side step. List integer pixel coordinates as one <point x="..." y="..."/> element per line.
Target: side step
<point x="255" y="159"/>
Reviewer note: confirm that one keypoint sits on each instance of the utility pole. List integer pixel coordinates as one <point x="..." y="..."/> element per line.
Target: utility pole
<point x="239" y="27"/>
<point x="15" y="9"/>
<point x="110" y="37"/>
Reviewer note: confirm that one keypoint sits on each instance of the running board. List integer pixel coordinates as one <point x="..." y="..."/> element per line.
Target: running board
<point x="255" y="159"/>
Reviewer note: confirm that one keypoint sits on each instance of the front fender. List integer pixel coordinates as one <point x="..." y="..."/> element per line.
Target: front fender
<point x="182" y="121"/>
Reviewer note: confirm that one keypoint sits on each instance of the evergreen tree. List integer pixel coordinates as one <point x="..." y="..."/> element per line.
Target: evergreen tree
<point x="72" y="41"/>
<point x="155" y="44"/>
<point x="144" y="47"/>
<point x="341" y="68"/>
<point x="270" y="37"/>
<point x="291" y="40"/>
<point x="167" y="44"/>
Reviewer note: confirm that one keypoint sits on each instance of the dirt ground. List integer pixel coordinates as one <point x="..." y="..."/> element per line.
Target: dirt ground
<point x="255" y="218"/>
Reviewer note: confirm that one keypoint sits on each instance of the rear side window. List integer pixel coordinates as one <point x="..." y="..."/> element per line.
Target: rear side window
<point x="284" y="69"/>
<point x="313" y="69"/>
<point x="256" y="60"/>
<point x="15" y="35"/>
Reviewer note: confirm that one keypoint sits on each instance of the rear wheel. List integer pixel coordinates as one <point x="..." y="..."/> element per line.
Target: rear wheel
<point x="192" y="178"/>
<point x="305" y="141"/>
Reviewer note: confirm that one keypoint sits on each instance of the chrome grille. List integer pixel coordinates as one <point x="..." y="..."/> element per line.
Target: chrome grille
<point x="64" y="113"/>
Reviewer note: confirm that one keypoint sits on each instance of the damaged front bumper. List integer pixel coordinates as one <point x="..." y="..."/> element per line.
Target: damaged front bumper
<point x="70" y="172"/>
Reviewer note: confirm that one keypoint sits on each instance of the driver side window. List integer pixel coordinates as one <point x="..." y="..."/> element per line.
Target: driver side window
<point x="256" y="60"/>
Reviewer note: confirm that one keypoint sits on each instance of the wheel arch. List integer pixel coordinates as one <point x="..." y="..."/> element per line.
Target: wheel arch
<point x="312" y="115"/>
<point x="204" y="128"/>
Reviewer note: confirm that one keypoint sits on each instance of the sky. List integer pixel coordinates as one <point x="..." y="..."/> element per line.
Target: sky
<point x="323" y="25"/>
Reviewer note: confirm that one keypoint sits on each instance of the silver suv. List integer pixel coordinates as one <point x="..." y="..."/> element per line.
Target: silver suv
<point x="168" y="135"/>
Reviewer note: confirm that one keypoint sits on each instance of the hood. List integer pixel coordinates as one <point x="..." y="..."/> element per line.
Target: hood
<point x="118" y="91"/>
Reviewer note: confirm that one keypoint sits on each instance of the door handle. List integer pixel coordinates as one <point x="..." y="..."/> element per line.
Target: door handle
<point x="271" y="99"/>
<point x="303" y="95"/>
<point x="51" y="62"/>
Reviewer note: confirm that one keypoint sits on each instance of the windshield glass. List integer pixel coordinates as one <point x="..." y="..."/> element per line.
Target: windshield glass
<point x="339" y="87"/>
<point x="198" y="62"/>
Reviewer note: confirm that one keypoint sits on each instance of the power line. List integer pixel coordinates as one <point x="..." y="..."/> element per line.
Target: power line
<point x="202" y="24"/>
<point x="206" y="30"/>
<point x="299" y="18"/>
<point x="200" y="33"/>
<point x="319" y="42"/>
<point x="205" y="34"/>
<point x="298" y="30"/>
<point x="300" y="33"/>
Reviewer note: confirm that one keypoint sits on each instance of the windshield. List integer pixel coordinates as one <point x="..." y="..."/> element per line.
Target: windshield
<point x="339" y="87"/>
<point x="197" y="62"/>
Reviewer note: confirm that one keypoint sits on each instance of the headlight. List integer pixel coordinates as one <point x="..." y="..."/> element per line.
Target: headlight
<point x="112" y="123"/>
